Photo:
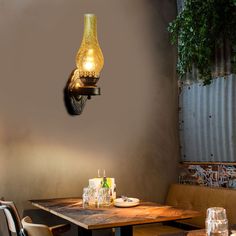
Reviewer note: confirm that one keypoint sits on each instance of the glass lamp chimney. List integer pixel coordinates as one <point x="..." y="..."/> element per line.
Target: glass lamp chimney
<point x="89" y="59"/>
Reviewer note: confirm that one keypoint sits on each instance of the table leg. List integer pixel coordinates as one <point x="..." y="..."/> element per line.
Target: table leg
<point x="84" y="232"/>
<point x="124" y="231"/>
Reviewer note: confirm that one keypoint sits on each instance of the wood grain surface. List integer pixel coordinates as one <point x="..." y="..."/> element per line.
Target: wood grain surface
<point x="72" y="210"/>
<point x="200" y="232"/>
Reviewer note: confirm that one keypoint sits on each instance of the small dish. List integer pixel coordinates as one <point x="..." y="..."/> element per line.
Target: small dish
<point x="131" y="202"/>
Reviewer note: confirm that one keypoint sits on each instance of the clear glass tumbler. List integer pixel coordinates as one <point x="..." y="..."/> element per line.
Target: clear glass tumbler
<point x="89" y="197"/>
<point x="104" y="198"/>
<point x="216" y="222"/>
<point x="86" y="196"/>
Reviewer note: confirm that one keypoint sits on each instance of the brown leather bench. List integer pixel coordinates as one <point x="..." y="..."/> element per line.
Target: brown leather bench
<point x="195" y="198"/>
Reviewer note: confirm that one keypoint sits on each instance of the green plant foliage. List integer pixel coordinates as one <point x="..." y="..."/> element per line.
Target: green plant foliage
<point x="198" y="30"/>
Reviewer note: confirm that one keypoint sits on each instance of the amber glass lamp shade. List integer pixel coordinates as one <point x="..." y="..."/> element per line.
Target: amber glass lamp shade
<point x="89" y="63"/>
<point x="89" y="59"/>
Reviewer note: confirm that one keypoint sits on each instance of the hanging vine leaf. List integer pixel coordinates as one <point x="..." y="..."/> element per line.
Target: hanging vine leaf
<point x="198" y="30"/>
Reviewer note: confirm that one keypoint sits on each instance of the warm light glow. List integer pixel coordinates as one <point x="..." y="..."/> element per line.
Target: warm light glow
<point x="88" y="66"/>
<point x="89" y="59"/>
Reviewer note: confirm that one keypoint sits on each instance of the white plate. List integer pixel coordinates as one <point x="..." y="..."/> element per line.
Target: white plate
<point x="119" y="202"/>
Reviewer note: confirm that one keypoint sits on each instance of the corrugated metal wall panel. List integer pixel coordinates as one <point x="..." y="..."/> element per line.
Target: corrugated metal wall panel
<point x="208" y="121"/>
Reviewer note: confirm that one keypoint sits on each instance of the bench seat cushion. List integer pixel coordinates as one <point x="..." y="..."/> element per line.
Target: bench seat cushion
<point x="200" y="198"/>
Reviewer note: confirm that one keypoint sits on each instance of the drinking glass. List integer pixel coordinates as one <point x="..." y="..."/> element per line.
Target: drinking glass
<point x="216" y="222"/>
<point x="85" y="196"/>
<point x="89" y="196"/>
<point x="92" y="196"/>
<point x="104" y="198"/>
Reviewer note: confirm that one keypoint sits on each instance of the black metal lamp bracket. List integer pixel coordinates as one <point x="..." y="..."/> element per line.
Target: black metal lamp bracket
<point x="75" y="98"/>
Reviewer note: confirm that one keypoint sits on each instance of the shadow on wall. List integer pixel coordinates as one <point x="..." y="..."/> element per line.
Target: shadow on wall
<point x="159" y="21"/>
<point x="156" y="149"/>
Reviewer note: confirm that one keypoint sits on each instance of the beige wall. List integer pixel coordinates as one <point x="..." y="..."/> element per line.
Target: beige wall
<point x="130" y="130"/>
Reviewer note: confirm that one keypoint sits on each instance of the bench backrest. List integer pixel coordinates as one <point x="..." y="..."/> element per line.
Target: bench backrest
<point x="200" y="198"/>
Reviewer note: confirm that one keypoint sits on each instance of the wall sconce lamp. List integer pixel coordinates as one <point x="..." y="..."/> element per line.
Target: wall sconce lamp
<point x="81" y="84"/>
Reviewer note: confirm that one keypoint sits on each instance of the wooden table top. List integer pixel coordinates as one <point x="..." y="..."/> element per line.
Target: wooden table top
<point x="200" y="232"/>
<point x="72" y="210"/>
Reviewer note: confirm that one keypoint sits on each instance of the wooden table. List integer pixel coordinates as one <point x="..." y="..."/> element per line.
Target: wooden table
<point x="122" y="219"/>
<point x="200" y="232"/>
